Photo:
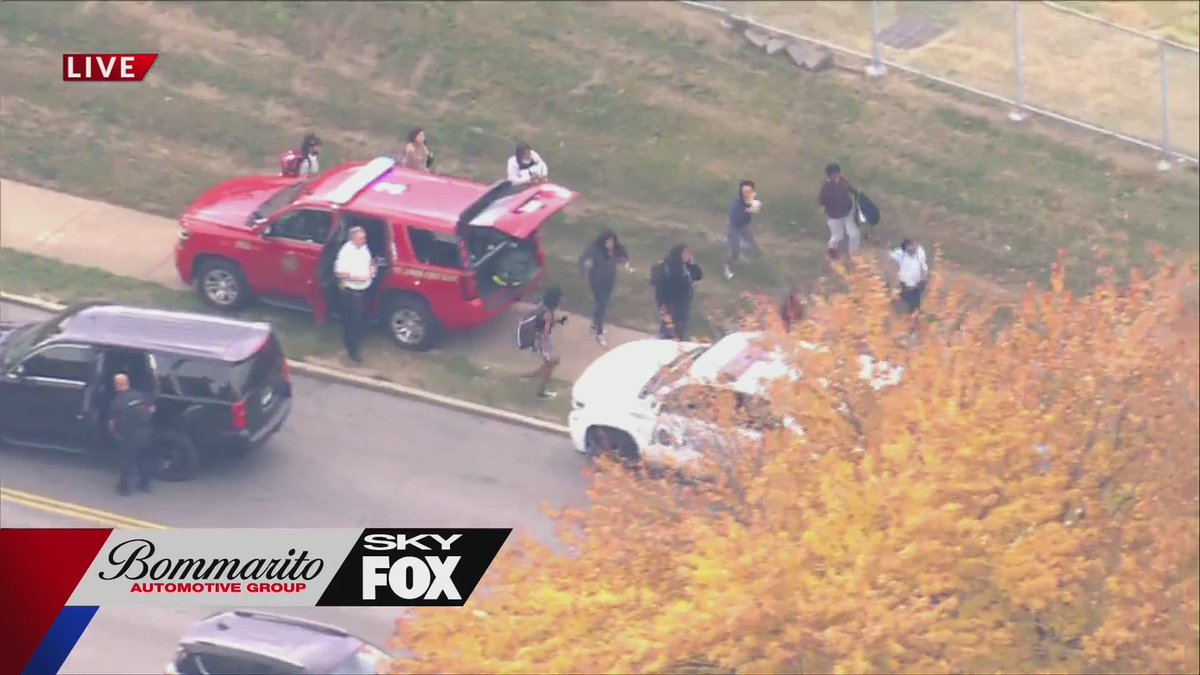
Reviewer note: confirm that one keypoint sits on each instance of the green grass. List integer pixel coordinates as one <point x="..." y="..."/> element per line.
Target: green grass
<point x="443" y="373"/>
<point x="649" y="110"/>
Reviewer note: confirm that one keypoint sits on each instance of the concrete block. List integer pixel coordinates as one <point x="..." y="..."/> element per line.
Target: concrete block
<point x="757" y="37"/>
<point x="734" y="23"/>
<point x="797" y="52"/>
<point x="775" y="45"/>
<point x="810" y="57"/>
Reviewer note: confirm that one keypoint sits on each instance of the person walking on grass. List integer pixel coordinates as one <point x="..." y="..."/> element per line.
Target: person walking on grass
<point x="737" y="226"/>
<point x="912" y="272"/>
<point x="416" y="154"/>
<point x="598" y="266"/>
<point x="674" y="279"/>
<point x="792" y="309"/>
<point x="837" y="199"/>
<point x="542" y="323"/>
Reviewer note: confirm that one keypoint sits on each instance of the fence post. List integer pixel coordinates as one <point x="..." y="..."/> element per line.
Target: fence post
<point x="876" y="68"/>
<point x="1018" y="114"/>
<point x="1164" y="164"/>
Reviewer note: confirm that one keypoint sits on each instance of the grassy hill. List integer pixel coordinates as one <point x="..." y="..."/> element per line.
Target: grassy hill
<point x="651" y="111"/>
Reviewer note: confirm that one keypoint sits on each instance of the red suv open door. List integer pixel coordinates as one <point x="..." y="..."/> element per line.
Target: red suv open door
<point x="499" y="231"/>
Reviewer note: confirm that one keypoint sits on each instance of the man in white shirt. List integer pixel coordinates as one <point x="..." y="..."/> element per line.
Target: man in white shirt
<point x="355" y="270"/>
<point x="526" y="166"/>
<point x="912" y="272"/>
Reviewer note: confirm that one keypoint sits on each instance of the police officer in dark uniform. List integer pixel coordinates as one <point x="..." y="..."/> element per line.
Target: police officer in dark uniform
<point x="131" y="425"/>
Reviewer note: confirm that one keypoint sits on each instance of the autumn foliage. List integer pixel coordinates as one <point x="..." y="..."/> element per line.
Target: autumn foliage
<point x="1024" y="501"/>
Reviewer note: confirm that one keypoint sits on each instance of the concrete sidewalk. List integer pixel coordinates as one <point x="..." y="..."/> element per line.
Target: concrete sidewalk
<point x="139" y="245"/>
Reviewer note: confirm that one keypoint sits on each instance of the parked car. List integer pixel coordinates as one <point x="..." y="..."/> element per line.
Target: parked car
<point x="256" y="643"/>
<point x="219" y="384"/>
<point x="454" y="254"/>
<point x="653" y="400"/>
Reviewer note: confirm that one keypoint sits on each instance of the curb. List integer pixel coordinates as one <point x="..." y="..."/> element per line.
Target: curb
<point x="349" y="379"/>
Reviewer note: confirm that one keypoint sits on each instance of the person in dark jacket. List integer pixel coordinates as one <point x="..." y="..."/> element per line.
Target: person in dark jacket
<point x="837" y="199"/>
<point x="598" y="265"/>
<point x="791" y="310"/>
<point x="131" y="425"/>
<point x="737" y="228"/>
<point x="673" y="281"/>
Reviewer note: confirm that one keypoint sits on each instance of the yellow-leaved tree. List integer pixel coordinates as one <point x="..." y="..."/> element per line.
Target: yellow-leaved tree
<point x="1024" y="500"/>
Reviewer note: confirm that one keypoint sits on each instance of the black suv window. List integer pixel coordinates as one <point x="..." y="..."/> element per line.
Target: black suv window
<point x="258" y="369"/>
<point x="303" y="225"/>
<point x="434" y="249"/>
<point x="195" y="378"/>
<point x="60" y="362"/>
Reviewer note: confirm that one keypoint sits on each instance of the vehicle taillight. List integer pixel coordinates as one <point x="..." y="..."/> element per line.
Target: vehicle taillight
<point x="239" y="415"/>
<point x="470" y="290"/>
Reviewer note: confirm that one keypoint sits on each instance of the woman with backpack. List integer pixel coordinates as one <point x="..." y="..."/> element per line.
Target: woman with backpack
<point x="598" y="265"/>
<point x="533" y="332"/>
<point x="302" y="161"/>
<point x="673" y="281"/>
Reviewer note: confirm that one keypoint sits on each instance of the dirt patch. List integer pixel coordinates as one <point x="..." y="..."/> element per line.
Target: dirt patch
<point x="1069" y="64"/>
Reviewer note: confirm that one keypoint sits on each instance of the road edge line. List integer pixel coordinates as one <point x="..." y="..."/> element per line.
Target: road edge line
<point x="362" y="382"/>
<point x="77" y="511"/>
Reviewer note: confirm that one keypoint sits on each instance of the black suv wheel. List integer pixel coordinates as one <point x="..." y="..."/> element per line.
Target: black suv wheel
<point x="410" y="323"/>
<point x="222" y="285"/>
<point x="176" y="457"/>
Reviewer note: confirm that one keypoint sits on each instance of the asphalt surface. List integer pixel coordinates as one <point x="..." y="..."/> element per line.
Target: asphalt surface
<point x="346" y="458"/>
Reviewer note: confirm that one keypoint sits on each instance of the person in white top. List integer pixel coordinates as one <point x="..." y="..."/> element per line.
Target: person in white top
<point x="355" y="271"/>
<point x="912" y="272"/>
<point x="526" y="166"/>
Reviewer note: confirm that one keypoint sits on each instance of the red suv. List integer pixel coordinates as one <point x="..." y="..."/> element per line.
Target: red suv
<point x="457" y="253"/>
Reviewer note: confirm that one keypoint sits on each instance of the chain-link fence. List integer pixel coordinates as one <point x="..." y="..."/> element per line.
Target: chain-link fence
<point x="1039" y="57"/>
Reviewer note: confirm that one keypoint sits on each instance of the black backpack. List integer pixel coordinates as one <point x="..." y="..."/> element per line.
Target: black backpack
<point x="528" y="328"/>
<point x="657" y="271"/>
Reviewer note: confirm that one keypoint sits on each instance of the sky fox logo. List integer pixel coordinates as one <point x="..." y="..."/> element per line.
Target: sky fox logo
<point x="428" y="576"/>
<point x="409" y="567"/>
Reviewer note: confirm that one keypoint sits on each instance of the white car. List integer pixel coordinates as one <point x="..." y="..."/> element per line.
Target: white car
<point x="651" y="400"/>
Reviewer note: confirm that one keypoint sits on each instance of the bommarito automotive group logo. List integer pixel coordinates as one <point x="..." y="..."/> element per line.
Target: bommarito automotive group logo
<point x="134" y="560"/>
<point x="290" y="567"/>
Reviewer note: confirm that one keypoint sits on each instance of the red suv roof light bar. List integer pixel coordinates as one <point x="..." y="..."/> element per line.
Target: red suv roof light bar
<point x="360" y="180"/>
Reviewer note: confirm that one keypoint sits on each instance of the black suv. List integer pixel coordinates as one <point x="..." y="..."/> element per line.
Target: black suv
<point x="219" y="384"/>
<point x="257" y="643"/>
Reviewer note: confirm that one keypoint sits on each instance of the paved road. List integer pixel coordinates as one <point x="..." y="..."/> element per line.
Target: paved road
<point x="346" y="458"/>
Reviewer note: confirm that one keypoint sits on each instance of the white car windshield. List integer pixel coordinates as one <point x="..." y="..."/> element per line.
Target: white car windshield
<point x="675" y="369"/>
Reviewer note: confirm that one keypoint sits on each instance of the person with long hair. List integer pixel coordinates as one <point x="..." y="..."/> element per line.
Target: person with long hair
<point x="307" y="156"/>
<point x="674" y="279"/>
<point x="416" y="153"/>
<point x="598" y="266"/>
<point x="792" y="309"/>
<point x="543" y="345"/>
